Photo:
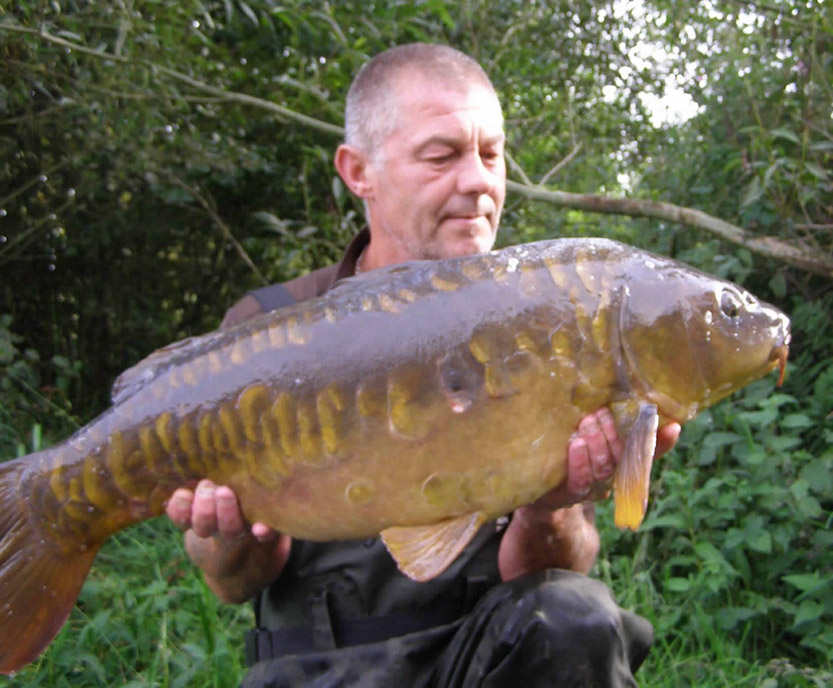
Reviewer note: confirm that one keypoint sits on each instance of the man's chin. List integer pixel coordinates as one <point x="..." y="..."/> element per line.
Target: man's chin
<point x="468" y="241"/>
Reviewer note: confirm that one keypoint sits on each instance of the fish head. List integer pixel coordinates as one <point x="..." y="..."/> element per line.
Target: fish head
<point x="690" y="339"/>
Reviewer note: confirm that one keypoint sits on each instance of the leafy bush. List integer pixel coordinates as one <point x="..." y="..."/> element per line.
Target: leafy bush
<point x="26" y="406"/>
<point x="738" y="539"/>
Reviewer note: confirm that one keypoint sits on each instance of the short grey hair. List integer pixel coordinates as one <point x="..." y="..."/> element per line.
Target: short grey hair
<point x="371" y="109"/>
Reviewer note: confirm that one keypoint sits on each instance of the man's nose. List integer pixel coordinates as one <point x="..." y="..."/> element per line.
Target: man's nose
<point x="473" y="176"/>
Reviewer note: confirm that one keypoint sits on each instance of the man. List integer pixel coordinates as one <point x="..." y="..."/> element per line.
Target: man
<point x="424" y="151"/>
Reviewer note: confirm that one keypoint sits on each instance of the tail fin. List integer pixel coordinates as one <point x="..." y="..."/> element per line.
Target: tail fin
<point x="38" y="582"/>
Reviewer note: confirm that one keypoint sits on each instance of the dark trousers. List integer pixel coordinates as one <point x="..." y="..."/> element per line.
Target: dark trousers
<point x="554" y="628"/>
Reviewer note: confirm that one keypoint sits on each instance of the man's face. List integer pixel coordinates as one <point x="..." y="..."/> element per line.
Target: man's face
<point x="439" y="184"/>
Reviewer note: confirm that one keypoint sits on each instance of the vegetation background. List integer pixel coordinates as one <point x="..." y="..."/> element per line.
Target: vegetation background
<point x="157" y="160"/>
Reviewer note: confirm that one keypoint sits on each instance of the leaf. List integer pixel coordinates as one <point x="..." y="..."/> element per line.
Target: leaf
<point x="674" y="520"/>
<point x="70" y="35"/>
<point x="808" y="610"/>
<point x="806" y="582"/>
<point x="784" y="443"/>
<point x="754" y="191"/>
<point x="678" y="584"/>
<point x="708" y="552"/>
<point x="797" y="421"/>
<point x="810" y="507"/>
<point x="721" y="439"/>
<point x="272" y="222"/>
<point x="338" y="189"/>
<point x="800" y="488"/>
<point x="778" y="284"/>
<point x="729" y="617"/>
<point x="784" y="133"/>
<point x="818" y="474"/>
<point x="760" y="542"/>
<point x="252" y="17"/>
<point x="816" y="171"/>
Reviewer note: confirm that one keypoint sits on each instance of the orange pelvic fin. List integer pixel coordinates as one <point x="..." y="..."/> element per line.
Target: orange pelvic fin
<point x="39" y="583"/>
<point x="633" y="473"/>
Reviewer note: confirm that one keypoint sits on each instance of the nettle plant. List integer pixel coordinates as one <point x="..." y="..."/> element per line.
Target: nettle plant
<point x="738" y="535"/>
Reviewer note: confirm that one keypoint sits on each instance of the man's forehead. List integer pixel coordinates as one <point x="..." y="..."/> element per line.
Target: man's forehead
<point x="425" y="107"/>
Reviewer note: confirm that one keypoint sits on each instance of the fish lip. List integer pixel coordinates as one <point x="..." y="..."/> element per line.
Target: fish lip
<point x="780" y="354"/>
<point x="781" y="351"/>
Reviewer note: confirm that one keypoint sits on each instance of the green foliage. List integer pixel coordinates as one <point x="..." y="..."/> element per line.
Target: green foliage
<point x="130" y="200"/>
<point x="738" y="535"/>
<point x="26" y="407"/>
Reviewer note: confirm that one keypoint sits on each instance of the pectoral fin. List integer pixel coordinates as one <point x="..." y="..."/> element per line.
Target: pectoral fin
<point x="424" y="552"/>
<point x="633" y="474"/>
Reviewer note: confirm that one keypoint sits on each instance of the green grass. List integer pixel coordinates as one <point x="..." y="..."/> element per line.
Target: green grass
<point x="144" y="618"/>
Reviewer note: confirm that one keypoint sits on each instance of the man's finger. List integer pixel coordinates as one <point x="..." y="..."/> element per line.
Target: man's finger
<point x="204" y="510"/>
<point x="178" y="508"/>
<point x="601" y="458"/>
<point x="579" y="469"/>
<point x="667" y="437"/>
<point x="263" y="533"/>
<point x="608" y="427"/>
<point x="229" y="519"/>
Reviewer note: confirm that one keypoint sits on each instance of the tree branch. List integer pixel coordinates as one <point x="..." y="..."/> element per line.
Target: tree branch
<point x="768" y="246"/>
<point x="195" y="83"/>
<point x="690" y="217"/>
<point x="560" y="165"/>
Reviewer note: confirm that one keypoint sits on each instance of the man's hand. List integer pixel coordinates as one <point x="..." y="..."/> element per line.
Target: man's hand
<point x="556" y="531"/>
<point x="237" y="561"/>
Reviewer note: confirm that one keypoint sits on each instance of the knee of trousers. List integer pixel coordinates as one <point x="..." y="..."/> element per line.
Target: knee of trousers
<point x="568" y="612"/>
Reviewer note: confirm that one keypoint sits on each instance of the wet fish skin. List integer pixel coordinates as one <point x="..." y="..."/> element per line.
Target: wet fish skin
<point x="442" y="392"/>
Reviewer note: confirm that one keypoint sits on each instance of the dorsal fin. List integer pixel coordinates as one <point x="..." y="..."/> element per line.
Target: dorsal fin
<point x="146" y="370"/>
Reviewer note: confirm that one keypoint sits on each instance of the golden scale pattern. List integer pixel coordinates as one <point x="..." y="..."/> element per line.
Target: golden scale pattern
<point x="143" y="466"/>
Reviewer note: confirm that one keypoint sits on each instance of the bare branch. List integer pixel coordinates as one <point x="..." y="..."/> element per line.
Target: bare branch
<point x="195" y="83"/>
<point x="813" y="225"/>
<point x="690" y="217"/>
<point x="559" y="166"/>
<point x="516" y="168"/>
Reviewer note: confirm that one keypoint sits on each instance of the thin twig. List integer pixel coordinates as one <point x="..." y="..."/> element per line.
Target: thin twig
<point x="21" y="241"/>
<point x="514" y="166"/>
<point x="196" y="83"/>
<point x="558" y="166"/>
<point x="37" y="180"/>
<point x="211" y="210"/>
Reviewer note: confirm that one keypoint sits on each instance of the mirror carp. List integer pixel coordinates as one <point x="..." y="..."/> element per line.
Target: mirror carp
<point x="417" y="401"/>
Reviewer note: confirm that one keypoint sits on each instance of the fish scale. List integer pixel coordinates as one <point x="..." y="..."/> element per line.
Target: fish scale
<point x="416" y="401"/>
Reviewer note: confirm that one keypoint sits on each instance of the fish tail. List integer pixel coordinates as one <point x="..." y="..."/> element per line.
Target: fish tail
<point x="39" y="582"/>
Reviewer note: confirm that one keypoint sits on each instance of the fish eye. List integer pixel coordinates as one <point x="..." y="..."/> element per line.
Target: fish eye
<point x="730" y="304"/>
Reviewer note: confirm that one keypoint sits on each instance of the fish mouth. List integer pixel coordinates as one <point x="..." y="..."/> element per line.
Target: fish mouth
<point x="780" y="354"/>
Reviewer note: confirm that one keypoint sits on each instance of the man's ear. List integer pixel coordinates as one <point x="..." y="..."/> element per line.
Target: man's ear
<point x="354" y="169"/>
